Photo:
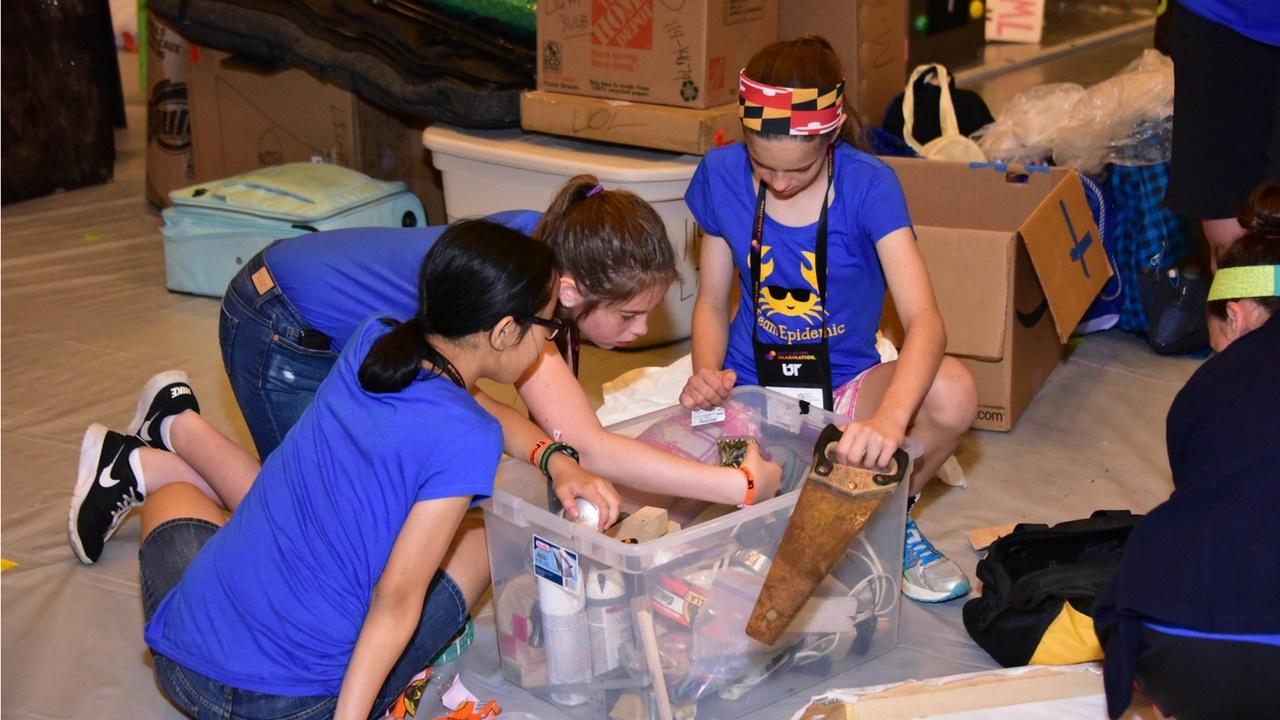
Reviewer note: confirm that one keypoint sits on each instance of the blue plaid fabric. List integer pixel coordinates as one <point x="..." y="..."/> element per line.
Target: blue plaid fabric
<point x="1146" y="235"/>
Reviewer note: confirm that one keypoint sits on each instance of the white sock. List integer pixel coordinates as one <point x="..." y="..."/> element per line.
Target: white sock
<point x="135" y="464"/>
<point x="164" y="431"/>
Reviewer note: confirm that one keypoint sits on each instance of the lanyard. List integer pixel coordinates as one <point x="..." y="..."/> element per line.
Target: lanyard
<point x="820" y="248"/>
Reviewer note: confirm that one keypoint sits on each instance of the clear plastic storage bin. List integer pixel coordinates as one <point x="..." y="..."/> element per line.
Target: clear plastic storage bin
<point x="657" y="629"/>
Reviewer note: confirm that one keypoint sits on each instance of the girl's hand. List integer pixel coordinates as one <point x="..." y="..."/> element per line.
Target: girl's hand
<point x="569" y="480"/>
<point x="768" y="474"/>
<point x="869" y="444"/>
<point x="708" y="388"/>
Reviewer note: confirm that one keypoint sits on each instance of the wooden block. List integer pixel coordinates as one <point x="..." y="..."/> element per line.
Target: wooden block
<point x="647" y="523"/>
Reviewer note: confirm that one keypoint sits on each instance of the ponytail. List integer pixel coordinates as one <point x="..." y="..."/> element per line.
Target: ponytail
<point x="395" y="359"/>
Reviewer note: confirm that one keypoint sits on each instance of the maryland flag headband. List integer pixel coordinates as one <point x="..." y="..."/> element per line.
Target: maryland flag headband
<point x="789" y="111"/>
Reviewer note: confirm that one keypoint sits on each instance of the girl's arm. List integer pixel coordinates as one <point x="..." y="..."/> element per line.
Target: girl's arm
<point x="568" y="479"/>
<point x="396" y="606"/>
<point x="710" y="384"/>
<point x="556" y="402"/>
<point x="924" y="344"/>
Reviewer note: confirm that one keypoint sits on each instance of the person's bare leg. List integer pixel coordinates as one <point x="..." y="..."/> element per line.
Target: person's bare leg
<point x="225" y="467"/>
<point x="178" y="500"/>
<point x="467" y="560"/>
<point x="942" y="420"/>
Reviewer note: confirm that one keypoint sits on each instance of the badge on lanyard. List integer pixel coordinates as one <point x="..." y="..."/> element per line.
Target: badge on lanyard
<point x="802" y="371"/>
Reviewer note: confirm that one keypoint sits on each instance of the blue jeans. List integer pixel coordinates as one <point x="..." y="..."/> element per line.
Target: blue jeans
<point x="272" y="357"/>
<point x="162" y="560"/>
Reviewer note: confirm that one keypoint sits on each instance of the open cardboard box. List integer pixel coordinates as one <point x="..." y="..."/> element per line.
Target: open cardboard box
<point x="1015" y="260"/>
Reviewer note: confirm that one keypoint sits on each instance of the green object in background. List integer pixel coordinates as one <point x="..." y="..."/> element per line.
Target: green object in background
<point x="519" y="16"/>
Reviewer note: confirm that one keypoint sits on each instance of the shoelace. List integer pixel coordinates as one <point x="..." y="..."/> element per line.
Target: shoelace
<point x="918" y="548"/>
<point x="127" y="502"/>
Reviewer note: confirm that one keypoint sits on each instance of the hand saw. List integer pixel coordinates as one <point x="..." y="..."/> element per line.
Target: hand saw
<point x="834" y="504"/>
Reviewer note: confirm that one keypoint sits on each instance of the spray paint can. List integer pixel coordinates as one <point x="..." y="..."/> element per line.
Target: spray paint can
<point x="608" y="618"/>
<point x="562" y="604"/>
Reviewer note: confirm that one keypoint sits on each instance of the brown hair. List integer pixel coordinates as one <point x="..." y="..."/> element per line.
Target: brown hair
<point x="1260" y="244"/>
<point x="807" y="62"/>
<point x="611" y="242"/>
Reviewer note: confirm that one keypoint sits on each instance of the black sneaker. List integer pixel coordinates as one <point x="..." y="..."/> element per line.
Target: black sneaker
<point x="106" y="490"/>
<point x="168" y="393"/>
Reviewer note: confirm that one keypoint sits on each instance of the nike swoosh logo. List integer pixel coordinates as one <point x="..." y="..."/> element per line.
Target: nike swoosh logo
<point x="105" y="479"/>
<point x="1029" y="319"/>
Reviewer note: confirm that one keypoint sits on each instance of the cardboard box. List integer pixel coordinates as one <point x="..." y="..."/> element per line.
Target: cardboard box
<point x="869" y="36"/>
<point x="1015" y="261"/>
<point x="683" y="54"/>
<point x="1020" y="21"/>
<point x="1022" y="692"/>
<point x="656" y="629"/>
<point x="243" y="119"/>
<point x="169" y="165"/>
<point x="658" y="127"/>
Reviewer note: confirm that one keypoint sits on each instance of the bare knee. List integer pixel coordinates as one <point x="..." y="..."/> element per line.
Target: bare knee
<point x="952" y="401"/>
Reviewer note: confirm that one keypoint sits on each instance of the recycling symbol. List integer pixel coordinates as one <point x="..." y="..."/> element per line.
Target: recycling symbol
<point x="688" y="91"/>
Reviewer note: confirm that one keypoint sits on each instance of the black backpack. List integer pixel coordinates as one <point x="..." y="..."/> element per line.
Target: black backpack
<point x="1039" y="584"/>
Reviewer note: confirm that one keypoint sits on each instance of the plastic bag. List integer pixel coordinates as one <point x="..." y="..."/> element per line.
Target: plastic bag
<point x="1124" y="120"/>
<point x="1025" y="131"/>
<point x="721" y="652"/>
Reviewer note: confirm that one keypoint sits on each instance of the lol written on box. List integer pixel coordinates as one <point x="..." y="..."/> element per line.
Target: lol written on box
<point x="607" y="629"/>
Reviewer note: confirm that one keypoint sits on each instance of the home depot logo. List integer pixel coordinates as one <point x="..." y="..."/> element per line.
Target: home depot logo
<point x="622" y="23"/>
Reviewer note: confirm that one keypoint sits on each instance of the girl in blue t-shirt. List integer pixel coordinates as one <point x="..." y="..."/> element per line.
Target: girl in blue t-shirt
<point x="292" y="307"/>
<point x="319" y="583"/>
<point x="815" y="231"/>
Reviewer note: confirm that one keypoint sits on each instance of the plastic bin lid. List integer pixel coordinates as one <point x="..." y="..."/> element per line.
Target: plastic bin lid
<point x="558" y="155"/>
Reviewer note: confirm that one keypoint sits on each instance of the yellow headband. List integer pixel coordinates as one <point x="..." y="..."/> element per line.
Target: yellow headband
<point x="1251" y="281"/>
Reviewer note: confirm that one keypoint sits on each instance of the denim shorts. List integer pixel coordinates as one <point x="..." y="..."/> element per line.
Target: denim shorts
<point x="272" y="356"/>
<point x="162" y="560"/>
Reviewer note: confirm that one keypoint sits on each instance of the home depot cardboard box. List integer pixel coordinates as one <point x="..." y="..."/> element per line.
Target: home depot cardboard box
<point x="243" y="118"/>
<point x="1015" y="260"/>
<point x="870" y="38"/>
<point x="685" y="54"/>
<point x="658" y="127"/>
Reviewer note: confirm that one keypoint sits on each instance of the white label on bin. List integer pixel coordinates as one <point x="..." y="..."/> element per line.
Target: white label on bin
<point x="706" y="417"/>
<point x="556" y="564"/>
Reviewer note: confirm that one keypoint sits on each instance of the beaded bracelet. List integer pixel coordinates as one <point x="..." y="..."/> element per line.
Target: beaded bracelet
<point x="555" y="447"/>
<point x="751" y="487"/>
<point x="533" y="454"/>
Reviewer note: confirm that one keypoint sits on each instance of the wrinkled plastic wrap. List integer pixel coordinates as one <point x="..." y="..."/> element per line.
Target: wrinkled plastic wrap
<point x="1125" y="120"/>
<point x="1028" y="124"/>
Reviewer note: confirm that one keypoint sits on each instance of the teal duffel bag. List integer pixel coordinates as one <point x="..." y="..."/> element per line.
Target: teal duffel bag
<point x="213" y="228"/>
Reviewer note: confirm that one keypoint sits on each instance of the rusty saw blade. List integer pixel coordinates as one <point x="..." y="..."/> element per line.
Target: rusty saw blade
<point x="834" y="504"/>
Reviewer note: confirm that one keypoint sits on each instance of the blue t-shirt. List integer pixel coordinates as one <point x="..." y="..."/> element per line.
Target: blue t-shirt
<point x="1251" y="18"/>
<point x="336" y="278"/>
<point x="275" y="600"/>
<point x="868" y="205"/>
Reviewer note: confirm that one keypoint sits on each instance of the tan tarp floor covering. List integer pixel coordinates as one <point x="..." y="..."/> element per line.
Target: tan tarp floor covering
<point x="86" y="320"/>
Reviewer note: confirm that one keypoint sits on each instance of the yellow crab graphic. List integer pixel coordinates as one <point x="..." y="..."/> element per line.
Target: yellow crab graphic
<point x="791" y="302"/>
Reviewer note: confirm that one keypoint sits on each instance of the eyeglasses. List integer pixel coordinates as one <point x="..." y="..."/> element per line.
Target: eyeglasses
<point x="553" y="326"/>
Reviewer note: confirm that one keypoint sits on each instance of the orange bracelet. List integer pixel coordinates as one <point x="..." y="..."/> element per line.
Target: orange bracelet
<point x="751" y="487"/>
<point x="533" y="454"/>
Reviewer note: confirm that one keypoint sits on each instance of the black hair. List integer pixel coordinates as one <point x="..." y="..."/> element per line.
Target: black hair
<point x="476" y="273"/>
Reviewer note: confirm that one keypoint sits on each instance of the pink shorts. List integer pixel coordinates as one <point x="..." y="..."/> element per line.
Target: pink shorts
<point x="846" y="396"/>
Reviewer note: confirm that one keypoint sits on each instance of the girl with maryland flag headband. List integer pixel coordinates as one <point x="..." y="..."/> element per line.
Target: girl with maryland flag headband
<point x="816" y="231"/>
